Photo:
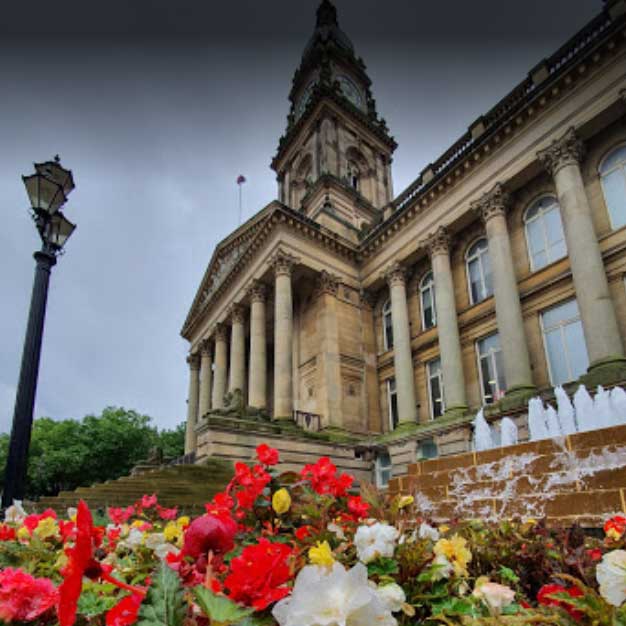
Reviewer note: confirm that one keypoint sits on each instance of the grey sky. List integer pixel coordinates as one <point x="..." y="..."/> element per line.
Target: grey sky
<point x="157" y="107"/>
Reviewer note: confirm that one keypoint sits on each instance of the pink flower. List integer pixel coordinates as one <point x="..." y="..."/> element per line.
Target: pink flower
<point x="118" y="515"/>
<point x="23" y="598"/>
<point x="148" y="502"/>
<point x="167" y="514"/>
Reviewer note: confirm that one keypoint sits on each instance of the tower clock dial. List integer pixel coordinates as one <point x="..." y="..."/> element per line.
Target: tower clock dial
<point x="304" y="99"/>
<point x="350" y="91"/>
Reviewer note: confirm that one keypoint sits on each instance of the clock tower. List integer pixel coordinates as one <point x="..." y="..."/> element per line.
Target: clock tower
<point x="334" y="161"/>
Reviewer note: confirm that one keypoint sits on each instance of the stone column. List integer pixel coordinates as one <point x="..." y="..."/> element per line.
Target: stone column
<point x="604" y="344"/>
<point x="402" y="355"/>
<point x="192" y="403"/>
<point x="219" y="382"/>
<point x="237" y="374"/>
<point x="492" y="208"/>
<point x="206" y="375"/>
<point x="283" y="336"/>
<point x="447" y="325"/>
<point x="257" y="382"/>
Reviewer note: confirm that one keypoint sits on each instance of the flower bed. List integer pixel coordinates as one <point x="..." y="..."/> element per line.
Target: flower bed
<point x="302" y="550"/>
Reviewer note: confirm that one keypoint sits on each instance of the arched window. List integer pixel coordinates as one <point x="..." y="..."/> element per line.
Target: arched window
<point x="353" y="175"/>
<point x="479" y="278"/>
<point x="613" y="176"/>
<point x="544" y="232"/>
<point x="427" y="300"/>
<point x="387" y="326"/>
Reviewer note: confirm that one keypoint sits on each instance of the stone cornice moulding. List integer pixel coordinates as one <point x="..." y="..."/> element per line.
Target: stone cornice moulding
<point x="492" y="203"/>
<point x="564" y="151"/>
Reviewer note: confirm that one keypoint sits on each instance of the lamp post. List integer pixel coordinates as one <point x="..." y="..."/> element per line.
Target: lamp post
<point x="47" y="190"/>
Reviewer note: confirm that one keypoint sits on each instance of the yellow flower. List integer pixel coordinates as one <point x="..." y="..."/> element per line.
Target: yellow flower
<point x="444" y="529"/>
<point x="137" y="523"/>
<point x="23" y="534"/>
<point x="281" y="501"/>
<point x="455" y="550"/>
<point x="46" y="528"/>
<point x="182" y="521"/>
<point x="405" y="501"/>
<point x="173" y="533"/>
<point x="321" y="554"/>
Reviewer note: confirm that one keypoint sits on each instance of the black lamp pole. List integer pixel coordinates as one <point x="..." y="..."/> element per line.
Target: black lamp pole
<point x="47" y="190"/>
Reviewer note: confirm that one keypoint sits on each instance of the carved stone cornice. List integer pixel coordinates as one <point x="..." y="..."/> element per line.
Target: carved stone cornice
<point x="221" y="332"/>
<point x="327" y="283"/>
<point x="438" y="242"/>
<point x="282" y="263"/>
<point x="205" y="347"/>
<point x="493" y="203"/>
<point x="257" y="292"/>
<point x="395" y="274"/>
<point x="193" y="360"/>
<point x="567" y="150"/>
<point x="237" y="313"/>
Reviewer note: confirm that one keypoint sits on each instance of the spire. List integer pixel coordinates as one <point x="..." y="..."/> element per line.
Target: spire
<point x="326" y="14"/>
<point x="327" y="29"/>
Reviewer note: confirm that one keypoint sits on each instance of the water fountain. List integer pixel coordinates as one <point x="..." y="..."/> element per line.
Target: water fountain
<point x="553" y="424"/>
<point x="565" y="411"/>
<point x="537" y="420"/>
<point x="583" y="406"/>
<point x="508" y="432"/>
<point x="483" y="437"/>
<point x="618" y="403"/>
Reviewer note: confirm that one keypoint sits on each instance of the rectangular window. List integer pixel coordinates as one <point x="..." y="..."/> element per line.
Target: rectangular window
<point x="393" y="403"/>
<point x="564" y="342"/>
<point x="427" y="449"/>
<point x="491" y="368"/>
<point x="435" y="388"/>
<point x="383" y="469"/>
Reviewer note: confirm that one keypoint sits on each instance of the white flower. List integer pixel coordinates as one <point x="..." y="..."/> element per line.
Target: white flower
<point x="335" y="528"/>
<point x="496" y="596"/>
<point x="134" y="539"/>
<point x="72" y="512"/>
<point x="159" y="545"/>
<point x="375" y="541"/>
<point x="15" y="514"/>
<point x="611" y="576"/>
<point x="444" y="569"/>
<point x="428" y="532"/>
<point x="333" y="597"/>
<point x="392" y="596"/>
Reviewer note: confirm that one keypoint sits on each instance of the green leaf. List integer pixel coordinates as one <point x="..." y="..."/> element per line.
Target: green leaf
<point x="218" y="608"/>
<point x="382" y="567"/>
<point x="164" y="604"/>
<point x="507" y="573"/>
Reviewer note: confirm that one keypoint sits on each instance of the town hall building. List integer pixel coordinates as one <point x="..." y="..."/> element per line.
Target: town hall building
<point x="345" y="320"/>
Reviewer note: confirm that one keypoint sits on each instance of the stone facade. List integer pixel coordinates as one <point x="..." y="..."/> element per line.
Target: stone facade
<point x="319" y="310"/>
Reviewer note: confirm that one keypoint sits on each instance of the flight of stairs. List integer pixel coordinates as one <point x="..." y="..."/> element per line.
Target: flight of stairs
<point x="579" y="478"/>
<point x="185" y="486"/>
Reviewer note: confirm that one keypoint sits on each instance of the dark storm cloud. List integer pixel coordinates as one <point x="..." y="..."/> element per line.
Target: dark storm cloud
<point x="157" y="107"/>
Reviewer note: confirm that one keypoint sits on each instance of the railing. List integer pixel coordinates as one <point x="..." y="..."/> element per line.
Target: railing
<point x="308" y="421"/>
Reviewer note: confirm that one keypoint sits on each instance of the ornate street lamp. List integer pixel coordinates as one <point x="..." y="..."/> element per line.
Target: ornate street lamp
<point x="47" y="191"/>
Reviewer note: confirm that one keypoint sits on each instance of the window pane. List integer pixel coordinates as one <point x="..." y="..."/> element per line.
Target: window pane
<point x="488" y="287"/>
<point x="614" y="186"/>
<point x="427" y="308"/>
<point x="576" y="349"/>
<point x="535" y="237"/>
<point x="554" y="227"/>
<point x="558" y="250"/>
<point x="475" y="281"/>
<point x="561" y="313"/>
<point x="616" y="157"/>
<point x="556" y="356"/>
<point x="388" y="331"/>
<point x="489" y="343"/>
<point x="540" y="260"/>
<point x="394" y="410"/>
<point x="485" y="368"/>
<point x="500" y="374"/>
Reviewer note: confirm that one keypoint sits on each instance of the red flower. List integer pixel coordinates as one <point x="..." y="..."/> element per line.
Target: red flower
<point x="615" y="527"/>
<point x="252" y="481"/>
<point x="303" y="532"/>
<point x="595" y="554"/>
<point x="258" y="577"/>
<point x="543" y="597"/>
<point x="167" y="514"/>
<point x="23" y="598"/>
<point x="358" y="507"/>
<point x="267" y="455"/>
<point x="31" y="521"/>
<point x="7" y="533"/>
<point x="118" y="515"/>
<point x="324" y="480"/>
<point x="147" y="502"/>
<point x="208" y="532"/>
<point x="124" y="613"/>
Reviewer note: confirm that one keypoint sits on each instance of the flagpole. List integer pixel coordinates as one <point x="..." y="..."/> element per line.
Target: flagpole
<point x="239" y="224"/>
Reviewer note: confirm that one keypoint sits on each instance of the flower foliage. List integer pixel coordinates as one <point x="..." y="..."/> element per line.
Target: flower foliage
<point x="303" y="549"/>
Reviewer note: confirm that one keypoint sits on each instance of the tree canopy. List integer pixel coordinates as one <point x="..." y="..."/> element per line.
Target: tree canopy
<point x="65" y="454"/>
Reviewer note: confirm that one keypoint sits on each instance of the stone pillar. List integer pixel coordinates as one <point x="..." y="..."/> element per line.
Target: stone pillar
<point x="192" y="403"/>
<point x="604" y="344"/>
<point x="492" y="208"/>
<point x="402" y="355"/>
<point x="206" y="375"/>
<point x="219" y="382"/>
<point x="447" y="325"/>
<point x="237" y="373"/>
<point x="283" y="336"/>
<point x="257" y="381"/>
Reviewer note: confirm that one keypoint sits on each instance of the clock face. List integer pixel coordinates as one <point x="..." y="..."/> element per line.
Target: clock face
<point x="304" y="98"/>
<point x="350" y="91"/>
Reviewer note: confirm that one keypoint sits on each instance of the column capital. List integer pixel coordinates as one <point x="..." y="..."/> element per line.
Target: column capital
<point x="493" y="203"/>
<point x="567" y="150"/>
<point x="205" y="347"/>
<point x="193" y="360"/>
<point x="395" y="274"/>
<point x="257" y="292"/>
<point x="327" y="283"/>
<point x="282" y="263"/>
<point x="237" y="313"/>
<point x="438" y="242"/>
<point x="221" y="331"/>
